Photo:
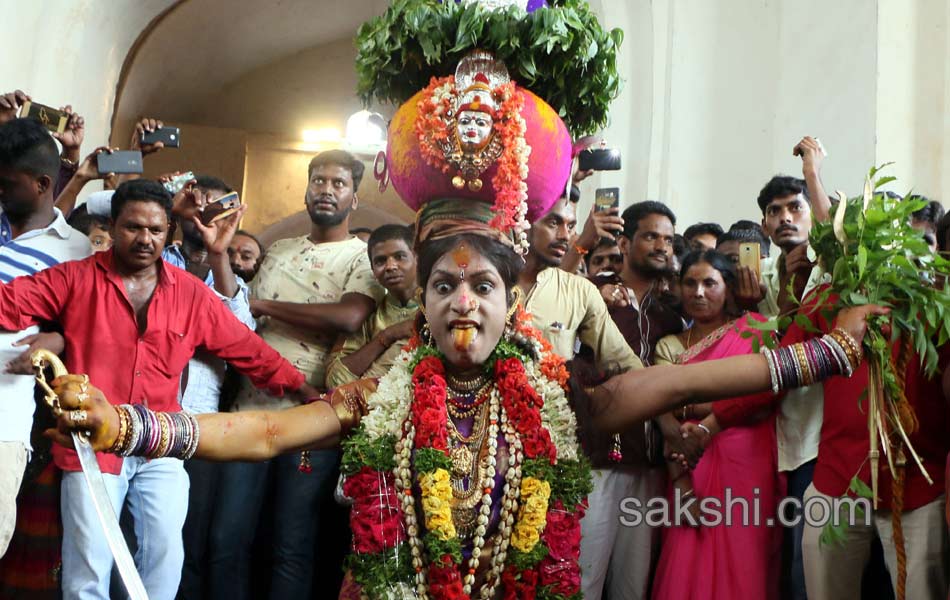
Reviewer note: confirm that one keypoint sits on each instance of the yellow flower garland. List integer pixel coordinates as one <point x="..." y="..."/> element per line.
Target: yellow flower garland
<point x="437" y="503"/>
<point x="532" y="516"/>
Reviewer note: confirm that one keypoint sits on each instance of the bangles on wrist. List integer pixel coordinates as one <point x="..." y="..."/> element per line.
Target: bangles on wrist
<point x="806" y="363"/>
<point x="144" y="432"/>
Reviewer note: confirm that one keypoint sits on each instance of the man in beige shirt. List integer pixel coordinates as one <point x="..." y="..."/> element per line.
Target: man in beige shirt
<point x="371" y="351"/>
<point x="567" y="308"/>
<point x="308" y="291"/>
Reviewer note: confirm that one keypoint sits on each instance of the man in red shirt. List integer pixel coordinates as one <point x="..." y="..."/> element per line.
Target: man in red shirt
<point x="834" y="570"/>
<point x="132" y="322"/>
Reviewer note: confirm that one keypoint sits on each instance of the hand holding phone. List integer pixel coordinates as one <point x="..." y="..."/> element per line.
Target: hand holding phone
<point x="219" y="221"/>
<point x="169" y="137"/>
<point x="175" y="183"/>
<point x="603" y="222"/>
<point x="120" y="162"/>
<point x="599" y="159"/>
<point x="10" y="104"/>
<point x="220" y="208"/>
<point x="749" y="256"/>
<point x="143" y="127"/>
<point x="51" y="118"/>
<point x="606" y="198"/>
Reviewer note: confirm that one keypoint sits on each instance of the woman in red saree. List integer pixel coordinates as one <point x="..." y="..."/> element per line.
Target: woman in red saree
<point x="707" y="558"/>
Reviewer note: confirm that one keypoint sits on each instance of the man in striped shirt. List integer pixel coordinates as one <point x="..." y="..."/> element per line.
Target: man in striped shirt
<point x="33" y="236"/>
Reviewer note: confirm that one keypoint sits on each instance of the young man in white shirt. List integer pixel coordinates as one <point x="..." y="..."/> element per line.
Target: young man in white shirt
<point x="33" y="236"/>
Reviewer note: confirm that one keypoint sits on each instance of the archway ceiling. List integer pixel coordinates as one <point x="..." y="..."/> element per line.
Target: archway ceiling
<point x="202" y="45"/>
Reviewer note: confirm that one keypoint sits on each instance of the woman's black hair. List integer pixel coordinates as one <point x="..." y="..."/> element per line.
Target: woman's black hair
<point x="501" y="256"/>
<point x="716" y="260"/>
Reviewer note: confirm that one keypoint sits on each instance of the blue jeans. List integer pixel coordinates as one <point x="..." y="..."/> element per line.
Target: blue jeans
<point x="297" y="497"/>
<point x="157" y="496"/>
<point x="798" y="482"/>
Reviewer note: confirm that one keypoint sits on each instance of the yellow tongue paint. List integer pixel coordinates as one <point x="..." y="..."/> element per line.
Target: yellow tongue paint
<point x="464" y="337"/>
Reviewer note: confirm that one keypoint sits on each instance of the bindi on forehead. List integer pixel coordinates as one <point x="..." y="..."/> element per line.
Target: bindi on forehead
<point x="462" y="257"/>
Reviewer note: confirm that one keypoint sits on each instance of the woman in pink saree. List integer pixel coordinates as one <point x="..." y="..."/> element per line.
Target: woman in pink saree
<point x="725" y="553"/>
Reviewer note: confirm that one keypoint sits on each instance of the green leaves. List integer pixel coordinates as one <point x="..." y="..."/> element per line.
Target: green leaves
<point x="884" y="260"/>
<point x="561" y="53"/>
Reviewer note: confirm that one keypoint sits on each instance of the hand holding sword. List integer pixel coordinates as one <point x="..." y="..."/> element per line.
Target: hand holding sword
<point x="79" y="405"/>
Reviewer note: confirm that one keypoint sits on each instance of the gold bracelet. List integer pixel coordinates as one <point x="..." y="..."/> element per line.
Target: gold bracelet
<point x="162" y="449"/>
<point x="850" y="346"/>
<point x="803" y="364"/>
<point x="121" y="439"/>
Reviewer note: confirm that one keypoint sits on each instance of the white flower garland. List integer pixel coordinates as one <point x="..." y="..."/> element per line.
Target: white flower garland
<point x="389" y="405"/>
<point x="556" y="413"/>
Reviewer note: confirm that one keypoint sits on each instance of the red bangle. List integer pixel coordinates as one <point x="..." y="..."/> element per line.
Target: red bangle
<point x="581" y="250"/>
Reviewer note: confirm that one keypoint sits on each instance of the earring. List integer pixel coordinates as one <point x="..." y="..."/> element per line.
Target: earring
<point x="422" y="307"/>
<point x="517" y="296"/>
<point x="425" y="335"/>
<point x="512" y="310"/>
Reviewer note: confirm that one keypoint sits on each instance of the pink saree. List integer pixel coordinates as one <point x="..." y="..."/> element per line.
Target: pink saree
<point x="741" y="560"/>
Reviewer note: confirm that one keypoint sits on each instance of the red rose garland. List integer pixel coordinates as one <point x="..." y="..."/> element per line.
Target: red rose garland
<point x="429" y="411"/>
<point x="560" y="569"/>
<point x="520" y="585"/>
<point x="376" y="518"/>
<point x="523" y="406"/>
<point x="445" y="581"/>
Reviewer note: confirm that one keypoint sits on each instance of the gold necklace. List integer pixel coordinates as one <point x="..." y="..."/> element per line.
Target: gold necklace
<point x="458" y="385"/>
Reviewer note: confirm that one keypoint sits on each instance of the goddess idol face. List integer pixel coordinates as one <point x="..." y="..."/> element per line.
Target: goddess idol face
<point x="474" y="129"/>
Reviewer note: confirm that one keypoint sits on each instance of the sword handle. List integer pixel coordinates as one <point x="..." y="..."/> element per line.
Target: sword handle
<point x="41" y="359"/>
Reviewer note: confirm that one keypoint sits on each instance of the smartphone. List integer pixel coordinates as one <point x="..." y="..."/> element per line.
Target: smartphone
<point x="52" y="119"/>
<point x="599" y="159"/>
<point x="169" y="136"/>
<point x="121" y="161"/>
<point x="749" y="257"/>
<point x="606" y="198"/>
<point x="178" y="182"/>
<point x="222" y="207"/>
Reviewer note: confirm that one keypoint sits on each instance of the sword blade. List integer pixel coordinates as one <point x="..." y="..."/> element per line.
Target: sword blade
<point x="108" y="519"/>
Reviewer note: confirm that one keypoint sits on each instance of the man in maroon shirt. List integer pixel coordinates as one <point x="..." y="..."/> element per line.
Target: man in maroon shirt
<point x="132" y="322"/>
<point x="834" y="570"/>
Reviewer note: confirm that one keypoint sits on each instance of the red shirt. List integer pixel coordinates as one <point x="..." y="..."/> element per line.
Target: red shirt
<point x="845" y="442"/>
<point x="88" y="299"/>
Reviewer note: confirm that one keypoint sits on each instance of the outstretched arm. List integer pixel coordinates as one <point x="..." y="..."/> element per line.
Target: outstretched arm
<point x="252" y="436"/>
<point x="642" y="394"/>
<point x="260" y="435"/>
<point x="632" y="397"/>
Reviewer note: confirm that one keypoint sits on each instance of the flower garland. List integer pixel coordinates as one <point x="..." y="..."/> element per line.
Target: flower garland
<point x="402" y="446"/>
<point x="511" y="191"/>
<point x="434" y="127"/>
<point x="431" y="124"/>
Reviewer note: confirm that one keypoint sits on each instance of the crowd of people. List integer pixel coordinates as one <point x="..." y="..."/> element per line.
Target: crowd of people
<point x="169" y="312"/>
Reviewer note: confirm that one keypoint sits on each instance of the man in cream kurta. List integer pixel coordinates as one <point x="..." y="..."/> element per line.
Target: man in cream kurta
<point x="297" y="270"/>
<point x="308" y="291"/>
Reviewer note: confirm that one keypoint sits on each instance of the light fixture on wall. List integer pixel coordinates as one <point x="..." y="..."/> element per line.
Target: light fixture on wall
<point x="365" y="133"/>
